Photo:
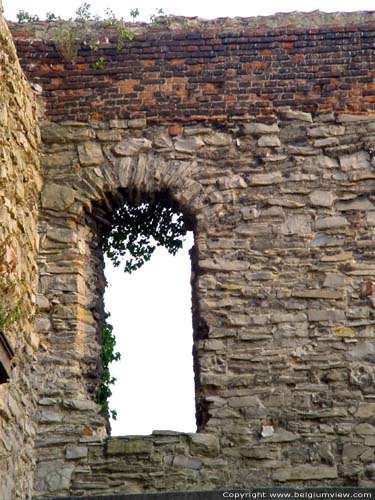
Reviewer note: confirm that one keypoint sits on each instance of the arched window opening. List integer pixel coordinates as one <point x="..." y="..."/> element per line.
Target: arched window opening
<point x="6" y="356"/>
<point x="150" y="311"/>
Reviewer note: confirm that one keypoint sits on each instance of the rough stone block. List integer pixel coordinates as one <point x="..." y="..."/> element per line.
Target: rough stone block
<point x="365" y="410"/>
<point x="321" y="198"/>
<point x="118" y="446"/>
<point x="305" y="473"/>
<point x="90" y="154"/>
<point x="132" y="147"/>
<point x="57" y="197"/>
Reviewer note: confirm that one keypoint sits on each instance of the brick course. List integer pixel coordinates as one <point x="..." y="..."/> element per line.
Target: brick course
<point x="206" y="72"/>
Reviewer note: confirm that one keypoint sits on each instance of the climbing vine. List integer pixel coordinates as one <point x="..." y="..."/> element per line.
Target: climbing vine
<point x="108" y="356"/>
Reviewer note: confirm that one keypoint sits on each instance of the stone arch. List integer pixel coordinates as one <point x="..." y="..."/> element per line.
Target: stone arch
<point x="88" y="173"/>
<point x="139" y="178"/>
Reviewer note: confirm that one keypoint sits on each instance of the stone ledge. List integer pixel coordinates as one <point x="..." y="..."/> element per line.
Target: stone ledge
<point x="171" y="495"/>
<point x="281" y="20"/>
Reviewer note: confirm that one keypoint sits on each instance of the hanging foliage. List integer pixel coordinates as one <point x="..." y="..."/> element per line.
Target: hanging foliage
<point x="138" y="229"/>
<point x="108" y="355"/>
<point x="135" y="232"/>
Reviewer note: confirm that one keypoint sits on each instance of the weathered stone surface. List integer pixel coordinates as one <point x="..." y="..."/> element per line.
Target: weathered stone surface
<point x="187" y="462"/>
<point x="20" y="185"/>
<point x="305" y="472"/>
<point x="90" y="153"/>
<point x="81" y="404"/>
<point x="48" y="416"/>
<point x="326" y="131"/>
<point x="325" y="240"/>
<point x="52" y="476"/>
<point x="361" y="350"/>
<point x="205" y="444"/>
<point x="282" y="436"/>
<point x="362" y="203"/>
<point x="345" y="118"/>
<point x="364" y="430"/>
<point x="282" y="265"/>
<point x="361" y="175"/>
<point x="137" y="123"/>
<point x="269" y="141"/>
<point x="334" y="280"/>
<point x="57" y="197"/>
<point x="365" y="410"/>
<point x="266" y="179"/>
<point x="319" y="294"/>
<point x="246" y="401"/>
<point x="221" y="265"/>
<point x="297" y="115"/>
<point x="321" y="198"/>
<point x="128" y="447"/>
<point x="260" y="128"/>
<point x="54" y="133"/>
<point x="330" y="223"/>
<point x="132" y="147"/>
<point x="297" y="224"/>
<point x="218" y="139"/>
<point x="188" y="144"/>
<point x="338" y="257"/>
<point x="75" y="452"/>
<point x="261" y="452"/>
<point x="325" y="315"/>
<point x="352" y="451"/>
<point x="360" y="160"/>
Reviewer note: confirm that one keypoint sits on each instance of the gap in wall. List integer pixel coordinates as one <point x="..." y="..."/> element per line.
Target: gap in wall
<point x="151" y="315"/>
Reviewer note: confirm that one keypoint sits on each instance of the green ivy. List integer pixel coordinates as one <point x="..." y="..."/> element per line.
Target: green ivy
<point x="108" y="356"/>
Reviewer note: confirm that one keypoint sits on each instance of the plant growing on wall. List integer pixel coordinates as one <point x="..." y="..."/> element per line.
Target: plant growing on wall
<point x="8" y="314"/>
<point x="25" y="17"/>
<point x="70" y="34"/>
<point x="108" y="356"/>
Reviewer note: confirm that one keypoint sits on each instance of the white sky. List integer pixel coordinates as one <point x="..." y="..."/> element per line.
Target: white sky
<point x="150" y="310"/>
<point x="207" y="9"/>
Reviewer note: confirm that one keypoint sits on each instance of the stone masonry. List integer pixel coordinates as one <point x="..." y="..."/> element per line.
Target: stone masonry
<point x="262" y="132"/>
<point x="19" y="188"/>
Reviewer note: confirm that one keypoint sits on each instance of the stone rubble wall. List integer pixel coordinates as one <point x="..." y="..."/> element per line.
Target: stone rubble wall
<point x="283" y="216"/>
<point x="248" y="127"/>
<point x="20" y="184"/>
<point x="185" y="69"/>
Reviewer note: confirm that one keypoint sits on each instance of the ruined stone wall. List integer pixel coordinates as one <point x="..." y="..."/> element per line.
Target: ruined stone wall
<point x="250" y="131"/>
<point x="19" y="187"/>
<point x="283" y="218"/>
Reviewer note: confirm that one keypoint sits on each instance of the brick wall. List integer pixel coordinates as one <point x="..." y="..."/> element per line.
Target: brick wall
<point x="208" y="71"/>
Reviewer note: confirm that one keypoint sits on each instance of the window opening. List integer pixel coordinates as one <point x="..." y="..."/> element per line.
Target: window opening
<point x="151" y="316"/>
<point x="6" y="356"/>
<point x="129" y="236"/>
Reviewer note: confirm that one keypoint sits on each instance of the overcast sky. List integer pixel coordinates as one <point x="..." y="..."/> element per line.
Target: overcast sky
<point x="151" y="308"/>
<point x="207" y="9"/>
